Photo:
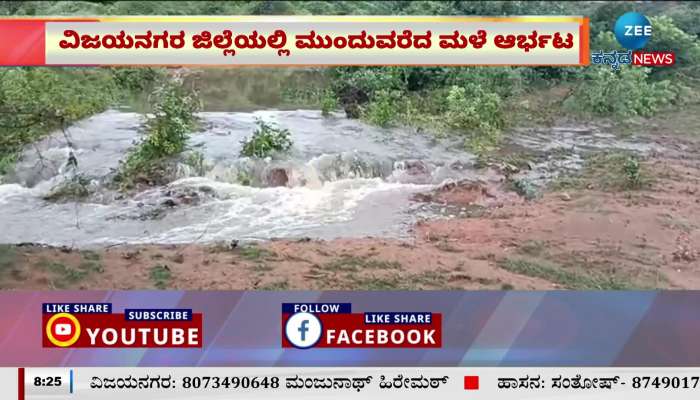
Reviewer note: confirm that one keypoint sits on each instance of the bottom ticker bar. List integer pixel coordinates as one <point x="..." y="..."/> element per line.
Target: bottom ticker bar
<point x="359" y="383"/>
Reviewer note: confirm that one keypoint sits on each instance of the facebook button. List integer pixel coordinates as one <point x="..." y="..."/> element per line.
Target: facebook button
<point x="303" y="330"/>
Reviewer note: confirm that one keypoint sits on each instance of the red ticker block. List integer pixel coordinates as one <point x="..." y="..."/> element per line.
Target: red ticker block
<point x="471" y="383"/>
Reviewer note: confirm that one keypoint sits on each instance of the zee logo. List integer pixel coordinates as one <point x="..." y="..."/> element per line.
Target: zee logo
<point x="633" y="30"/>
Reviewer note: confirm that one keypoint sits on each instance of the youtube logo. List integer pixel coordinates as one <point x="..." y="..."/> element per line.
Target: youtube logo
<point x="471" y="382"/>
<point x="63" y="329"/>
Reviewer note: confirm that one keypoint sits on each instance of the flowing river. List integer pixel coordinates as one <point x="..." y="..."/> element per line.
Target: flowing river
<point x="343" y="178"/>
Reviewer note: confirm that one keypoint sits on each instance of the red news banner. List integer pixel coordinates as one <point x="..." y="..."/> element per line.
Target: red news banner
<point x="303" y="40"/>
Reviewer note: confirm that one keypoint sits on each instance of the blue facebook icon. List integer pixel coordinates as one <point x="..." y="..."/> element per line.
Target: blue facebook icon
<point x="303" y="330"/>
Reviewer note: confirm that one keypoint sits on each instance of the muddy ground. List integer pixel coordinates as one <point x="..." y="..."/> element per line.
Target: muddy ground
<point x="604" y="228"/>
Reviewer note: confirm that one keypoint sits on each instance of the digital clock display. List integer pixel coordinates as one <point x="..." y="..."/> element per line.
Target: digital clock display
<point x="47" y="381"/>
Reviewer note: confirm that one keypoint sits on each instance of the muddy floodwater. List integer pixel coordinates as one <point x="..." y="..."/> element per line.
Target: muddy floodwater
<point x="343" y="178"/>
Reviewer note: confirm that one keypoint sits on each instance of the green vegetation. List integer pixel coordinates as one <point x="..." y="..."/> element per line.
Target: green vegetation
<point x="581" y="279"/>
<point x="473" y="110"/>
<point x="34" y="101"/>
<point x="624" y="93"/>
<point x="610" y="171"/>
<point x="8" y="256"/>
<point x="524" y="188"/>
<point x="161" y="276"/>
<point x="196" y="161"/>
<point x="383" y="108"/>
<point x="254" y="253"/>
<point x="266" y="140"/>
<point x="167" y="130"/>
<point x="274" y="286"/>
<point x="329" y="102"/>
<point x="354" y="264"/>
<point x="579" y="270"/>
<point x="72" y="189"/>
<point x="62" y="276"/>
<point x="474" y="104"/>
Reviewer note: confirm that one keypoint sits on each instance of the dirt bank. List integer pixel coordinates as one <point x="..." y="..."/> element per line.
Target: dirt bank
<point x="587" y="232"/>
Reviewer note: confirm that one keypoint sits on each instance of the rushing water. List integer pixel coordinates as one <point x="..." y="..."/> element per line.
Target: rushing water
<point x="343" y="178"/>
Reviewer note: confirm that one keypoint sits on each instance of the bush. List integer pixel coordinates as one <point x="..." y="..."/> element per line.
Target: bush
<point x="477" y="113"/>
<point x="34" y="101"/>
<point x="173" y="117"/>
<point x="329" y="102"/>
<point x="632" y="172"/>
<point x="368" y="79"/>
<point x="71" y="189"/>
<point x="383" y="108"/>
<point x="666" y="36"/>
<point x="504" y="81"/>
<point x="266" y="140"/>
<point x="686" y="17"/>
<point x="622" y="93"/>
<point x="136" y="78"/>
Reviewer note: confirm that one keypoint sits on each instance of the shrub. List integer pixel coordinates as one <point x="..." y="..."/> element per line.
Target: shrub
<point x="266" y="140"/>
<point x="34" y="101"/>
<point x="622" y="93"/>
<point x="369" y="79"/>
<point x="632" y="172"/>
<point x="195" y="160"/>
<point x="504" y="81"/>
<point x="476" y="113"/>
<point x="136" y="78"/>
<point x="71" y="189"/>
<point x="329" y="102"/>
<point x="383" y="108"/>
<point x="666" y="36"/>
<point x="173" y="117"/>
<point x="686" y="17"/>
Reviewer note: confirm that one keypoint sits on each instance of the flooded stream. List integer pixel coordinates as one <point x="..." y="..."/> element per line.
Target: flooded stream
<point x="343" y="178"/>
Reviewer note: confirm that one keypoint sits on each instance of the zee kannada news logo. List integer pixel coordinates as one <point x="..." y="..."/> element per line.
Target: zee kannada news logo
<point x="633" y="31"/>
<point x="94" y="325"/>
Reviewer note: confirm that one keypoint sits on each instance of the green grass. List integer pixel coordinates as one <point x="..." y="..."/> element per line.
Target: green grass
<point x="8" y="263"/>
<point x="355" y="264"/>
<point x="608" y="171"/>
<point x="254" y="253"/>
<point x="584" y="279"/>
<point x="63" y="275"/>
<point x="90" y="266"/>
<point x="8" y="257"/>
<point x="90" y="255"/>
<point x="274" y="286"/>
<point x="161" y="276"/>
<point x="428" y="280"/>
<point x="533" y="248"/>
<point x="261" y="268"/>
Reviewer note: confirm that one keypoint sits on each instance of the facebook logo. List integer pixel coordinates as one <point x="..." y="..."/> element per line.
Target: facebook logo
<point x="303" y="330"/>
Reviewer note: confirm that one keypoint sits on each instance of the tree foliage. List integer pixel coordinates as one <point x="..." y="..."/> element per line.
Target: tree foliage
<point x="34" y="101"/>
<point x="266" y="140"/>
<point x="172" y="118"/>
<point x="624" y="93"/>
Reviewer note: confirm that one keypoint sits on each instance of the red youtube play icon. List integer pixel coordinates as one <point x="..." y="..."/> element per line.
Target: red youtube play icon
<point x="471" y="383"/>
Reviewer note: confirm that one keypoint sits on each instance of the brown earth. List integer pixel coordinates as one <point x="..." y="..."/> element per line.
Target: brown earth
<point x="591" y="232"/>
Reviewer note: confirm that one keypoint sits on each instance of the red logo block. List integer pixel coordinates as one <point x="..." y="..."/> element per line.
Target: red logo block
<point x="471" y="383"/>
<point x="653" y="58"/>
